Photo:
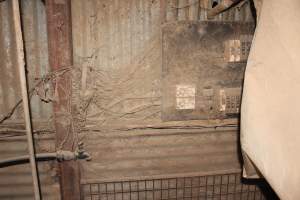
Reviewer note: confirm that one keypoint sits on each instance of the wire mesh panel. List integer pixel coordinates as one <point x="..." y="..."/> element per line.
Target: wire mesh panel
<point x="214" y="187"/>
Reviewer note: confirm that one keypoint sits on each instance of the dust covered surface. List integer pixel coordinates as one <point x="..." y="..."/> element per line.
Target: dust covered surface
<point x="117" y="97"/>
<point x="203" y="67"/>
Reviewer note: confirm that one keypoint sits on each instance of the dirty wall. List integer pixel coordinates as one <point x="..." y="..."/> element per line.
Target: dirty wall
<point x="16" y="182"/>
<point x="116" y="94"/>
<point x="118" y="68"/>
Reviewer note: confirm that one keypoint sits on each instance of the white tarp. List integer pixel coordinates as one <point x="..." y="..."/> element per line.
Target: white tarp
<point x="270" y="120"/>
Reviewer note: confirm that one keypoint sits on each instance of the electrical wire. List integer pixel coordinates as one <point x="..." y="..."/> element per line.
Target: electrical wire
<point x="48" y="77"/>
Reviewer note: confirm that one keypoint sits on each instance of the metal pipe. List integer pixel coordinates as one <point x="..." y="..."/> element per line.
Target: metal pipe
<point x="221" y="7"/>
<point x="21" y="66"/>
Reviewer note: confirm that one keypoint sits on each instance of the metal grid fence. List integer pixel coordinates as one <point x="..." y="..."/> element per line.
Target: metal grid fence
<point x="213" y="187"/>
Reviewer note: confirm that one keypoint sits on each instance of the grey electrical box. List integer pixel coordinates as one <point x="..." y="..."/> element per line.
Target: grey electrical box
<point x="203" y="69"/>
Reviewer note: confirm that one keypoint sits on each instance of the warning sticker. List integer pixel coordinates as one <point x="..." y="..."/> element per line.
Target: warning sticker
<point x="185" y="97"/>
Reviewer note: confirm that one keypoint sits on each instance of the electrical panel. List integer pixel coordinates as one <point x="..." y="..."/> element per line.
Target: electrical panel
<point x="203" y="69"/>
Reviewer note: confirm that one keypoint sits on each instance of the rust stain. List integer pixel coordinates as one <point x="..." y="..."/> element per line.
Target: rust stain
<point x="60" y="56"/>
<point x="12" y="141"/>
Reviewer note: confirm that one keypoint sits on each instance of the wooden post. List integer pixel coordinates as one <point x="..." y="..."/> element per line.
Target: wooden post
<point x="59" y="26"/>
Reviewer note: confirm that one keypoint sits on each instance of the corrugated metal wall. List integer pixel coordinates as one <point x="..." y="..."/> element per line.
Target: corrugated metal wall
<point x="35" y="36"/>
<point x="117" y="53"/>
<point x="16" y="182"/>
<point x="144" y="154"/>
<point x="117" y="90"/>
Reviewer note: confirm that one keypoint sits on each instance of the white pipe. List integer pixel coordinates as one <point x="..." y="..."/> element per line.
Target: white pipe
<point x="21" y="66"/>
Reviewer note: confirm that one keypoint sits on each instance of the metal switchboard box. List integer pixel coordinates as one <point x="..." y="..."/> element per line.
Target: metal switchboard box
<point x="203" y="69"/>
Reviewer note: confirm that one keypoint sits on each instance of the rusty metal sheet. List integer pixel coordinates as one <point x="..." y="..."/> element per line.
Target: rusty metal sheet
<point x="117" y="68"/>
<point x="16" y="182"/>
<point x="116" y="42"/>
<point x="35" y="38"/>
<point x="117" y="60"/>
<point x="203" y="67"/>
<point x="138" y="154"/>
<point x="114" y="52"/>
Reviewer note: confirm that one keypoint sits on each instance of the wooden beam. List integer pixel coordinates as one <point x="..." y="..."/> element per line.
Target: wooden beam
<point x="59" y="26"/>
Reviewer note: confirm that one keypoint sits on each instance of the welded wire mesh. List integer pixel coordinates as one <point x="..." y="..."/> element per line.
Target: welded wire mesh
<point x="214" y="187"/>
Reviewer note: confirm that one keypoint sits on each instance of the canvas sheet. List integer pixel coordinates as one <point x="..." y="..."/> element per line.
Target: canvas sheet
<point x="270" y="115"/>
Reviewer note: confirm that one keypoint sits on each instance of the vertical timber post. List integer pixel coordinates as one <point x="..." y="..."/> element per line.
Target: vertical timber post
<point x="59" y="27"/>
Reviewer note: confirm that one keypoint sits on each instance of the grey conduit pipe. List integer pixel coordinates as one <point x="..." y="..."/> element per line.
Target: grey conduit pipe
<point x="21" y="66"/>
